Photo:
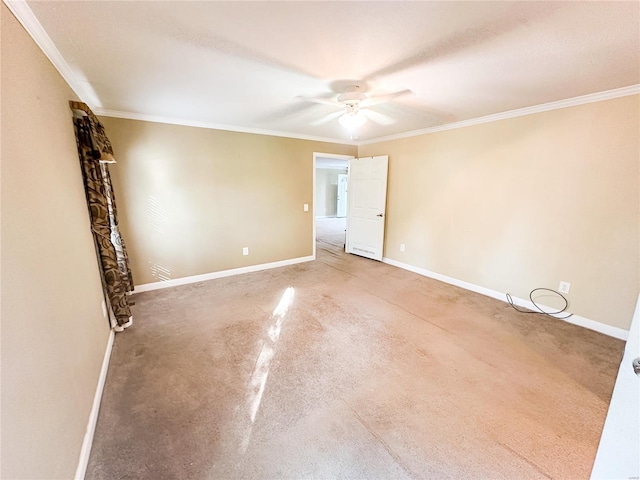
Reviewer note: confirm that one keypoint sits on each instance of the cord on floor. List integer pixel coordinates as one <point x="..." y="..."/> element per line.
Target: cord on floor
<point x="541" y="311"/>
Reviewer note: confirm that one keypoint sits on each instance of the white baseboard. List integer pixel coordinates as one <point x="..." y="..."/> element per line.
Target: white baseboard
<point x="574" y="319"/>
<point x="223" y="273"/>
<point x="85" y="451"/>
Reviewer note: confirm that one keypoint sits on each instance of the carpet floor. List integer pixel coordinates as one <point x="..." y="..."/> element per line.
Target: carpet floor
<point x="348" y="368"/>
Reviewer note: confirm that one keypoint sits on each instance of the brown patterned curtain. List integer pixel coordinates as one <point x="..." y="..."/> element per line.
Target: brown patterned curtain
<point x="95" y="152"/>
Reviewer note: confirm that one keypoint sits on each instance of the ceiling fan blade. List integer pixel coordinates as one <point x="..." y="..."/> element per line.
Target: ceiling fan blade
<point x="322" y="101"/>
<point x="376" y="99"/>
<point x="327" y="118"/>
<point x="377" y="117"/>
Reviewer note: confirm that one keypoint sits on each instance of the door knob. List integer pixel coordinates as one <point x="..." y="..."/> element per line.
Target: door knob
<point x="380" y="215"/>
<point x="636" y="366"/>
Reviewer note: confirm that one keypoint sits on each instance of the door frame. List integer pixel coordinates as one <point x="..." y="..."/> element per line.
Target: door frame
<point x="313" y="181"/>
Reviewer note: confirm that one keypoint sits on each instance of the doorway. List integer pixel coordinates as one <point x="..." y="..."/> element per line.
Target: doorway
<point x="330" y="197"/>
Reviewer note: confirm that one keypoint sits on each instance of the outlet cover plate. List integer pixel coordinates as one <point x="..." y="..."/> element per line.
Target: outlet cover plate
<point x="564" y="287"/>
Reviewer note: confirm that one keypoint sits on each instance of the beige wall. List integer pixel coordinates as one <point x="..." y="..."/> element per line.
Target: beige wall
<point x="524" y="203"/>
<point x="326" y="201"/>
<point x="190" y="198"/>
<point x="53" y="332"/>
<point x="510" y="205"/>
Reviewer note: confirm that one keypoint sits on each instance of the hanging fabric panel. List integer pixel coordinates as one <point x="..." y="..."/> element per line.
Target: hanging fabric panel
<point x="95" y="153"/>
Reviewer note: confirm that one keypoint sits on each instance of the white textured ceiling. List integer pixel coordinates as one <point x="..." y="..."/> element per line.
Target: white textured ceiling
<point x="245" y="64"/>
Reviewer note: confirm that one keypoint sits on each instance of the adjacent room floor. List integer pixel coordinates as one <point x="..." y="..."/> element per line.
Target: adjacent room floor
<point x="348" y="368"/>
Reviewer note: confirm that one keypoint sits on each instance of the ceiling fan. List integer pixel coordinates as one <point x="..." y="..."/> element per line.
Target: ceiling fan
<point x="354" y="106"/>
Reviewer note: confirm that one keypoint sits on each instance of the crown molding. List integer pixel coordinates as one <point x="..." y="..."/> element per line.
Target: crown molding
<point x="545" y="107"/>
<point x="217" y="126"/>
<point x="28" y="20"/>
<point x="85" y="92"/>
<point x="520" y="112"/>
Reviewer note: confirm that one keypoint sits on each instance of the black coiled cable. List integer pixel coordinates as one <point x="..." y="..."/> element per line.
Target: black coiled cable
<point x="541" y="311"/>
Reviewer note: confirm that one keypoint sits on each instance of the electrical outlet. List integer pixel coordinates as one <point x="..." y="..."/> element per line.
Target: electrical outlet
<point x="402" y="247"/>
<point x="305" y="207"/>
<point x="564" y="287"/>
<point x="245" y="250"/>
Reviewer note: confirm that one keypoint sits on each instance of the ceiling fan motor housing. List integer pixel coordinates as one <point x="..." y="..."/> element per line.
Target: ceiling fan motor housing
<point x="351" y="98"/>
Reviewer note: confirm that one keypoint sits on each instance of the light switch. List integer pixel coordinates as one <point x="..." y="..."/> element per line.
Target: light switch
<point x="306" y="207"/>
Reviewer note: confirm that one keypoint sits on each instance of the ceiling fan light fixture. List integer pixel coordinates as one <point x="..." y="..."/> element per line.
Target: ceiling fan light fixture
<point x="352" y="120"/>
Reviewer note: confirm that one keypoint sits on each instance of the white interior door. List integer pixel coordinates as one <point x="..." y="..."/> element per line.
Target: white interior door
<point x="619" y="451"/>
<point x="342" y="195"/>
<point x="366" y="206"/>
